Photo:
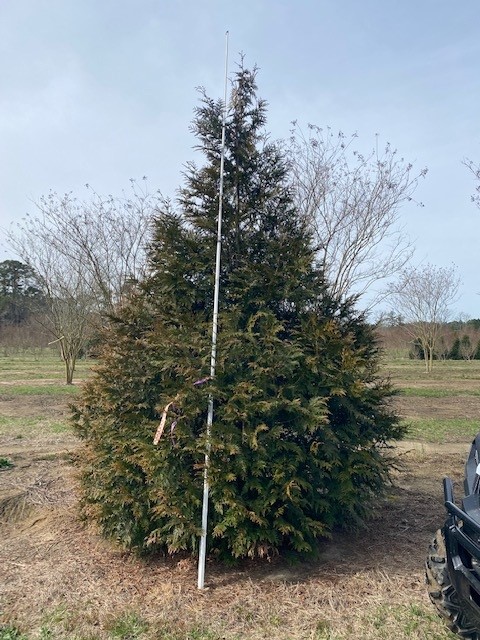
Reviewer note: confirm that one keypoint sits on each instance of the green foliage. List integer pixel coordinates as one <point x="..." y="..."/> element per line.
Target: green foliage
<point x="10" y="633"/>
<point x="129" y="626"/>
<point x="5" y="463"/>
<point x="19" y="293"/>
<point x="301" y="418"/>
<point x="455" y="351"/>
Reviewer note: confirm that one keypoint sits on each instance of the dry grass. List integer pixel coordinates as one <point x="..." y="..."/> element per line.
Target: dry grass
<point x="369" y="584"/>
<point x="60" y="580"/>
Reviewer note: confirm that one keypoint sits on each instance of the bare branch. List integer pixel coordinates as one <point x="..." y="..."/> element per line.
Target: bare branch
<point x="475" y="170"/>
<point x="86" y="253"/>
<point x="103" y="237"/>
<point x="352" y="205"/>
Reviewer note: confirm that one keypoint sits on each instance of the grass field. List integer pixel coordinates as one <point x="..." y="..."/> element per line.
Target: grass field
<point x="59" y="580"/>
<point x="442" y="406"/>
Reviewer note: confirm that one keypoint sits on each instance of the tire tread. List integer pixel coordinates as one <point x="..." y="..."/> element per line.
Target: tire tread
<point x="443" y="594"/>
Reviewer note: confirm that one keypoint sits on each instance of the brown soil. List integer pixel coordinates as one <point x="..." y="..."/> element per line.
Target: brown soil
<point x="51" y="561"/>
<point x="465" y="407"/>
<point x="31" y="406"/>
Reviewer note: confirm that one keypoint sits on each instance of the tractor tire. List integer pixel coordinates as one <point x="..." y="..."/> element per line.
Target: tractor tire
<point x="443" y="594"/>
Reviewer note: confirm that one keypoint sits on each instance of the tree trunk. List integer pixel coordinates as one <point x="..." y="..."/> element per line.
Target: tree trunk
<point x="427" y="356"/>
<point x="69" y="369"/>
<point x="69" y="360"/>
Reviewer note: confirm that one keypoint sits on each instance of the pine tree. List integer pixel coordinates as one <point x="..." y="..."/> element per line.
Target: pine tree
<point x="301" y="416"/>
<point x="454" y="353"/>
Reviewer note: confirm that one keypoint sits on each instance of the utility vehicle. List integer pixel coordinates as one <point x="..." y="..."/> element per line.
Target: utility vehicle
<point x="453" y="562"/>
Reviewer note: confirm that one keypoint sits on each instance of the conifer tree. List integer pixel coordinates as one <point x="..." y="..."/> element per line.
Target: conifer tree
<point x="301" y="418"/>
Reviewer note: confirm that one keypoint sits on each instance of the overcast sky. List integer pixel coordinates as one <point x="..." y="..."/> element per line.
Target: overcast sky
<point x="101" y="91"/>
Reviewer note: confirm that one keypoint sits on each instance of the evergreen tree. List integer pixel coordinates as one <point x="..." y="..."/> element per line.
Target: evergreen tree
<point x="301" y="417"/>
<point x="19" y="293"/>
<point x="455" y="350"/>
<point x="416" y="350"/>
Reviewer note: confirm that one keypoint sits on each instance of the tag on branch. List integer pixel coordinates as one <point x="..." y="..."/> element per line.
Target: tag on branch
<point x="161" y="426"/>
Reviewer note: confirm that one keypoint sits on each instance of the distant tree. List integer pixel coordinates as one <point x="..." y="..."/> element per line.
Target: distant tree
<point x="19" y="291"/>
<point x="467" y="348"/>
<point x="87" y="255"/>
<point x="469" y="341"/>
<point x="416" y="350"/>
<point x="455" y="351"/>
<point x="70" y="320"/>
<point x="442" y="348"/>
<point x="67" y="304"/>
<point x="352" y="205"/>
<point x="102" y="238"/>
<point x="302" y="418"/>
<point x="389" y="319"/>
<point x="424" y="295"/>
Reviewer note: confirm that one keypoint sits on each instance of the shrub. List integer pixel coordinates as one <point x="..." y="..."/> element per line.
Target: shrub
<point x="301" y="417"/>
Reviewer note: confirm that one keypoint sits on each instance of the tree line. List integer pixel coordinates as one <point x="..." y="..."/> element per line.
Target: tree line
<point x="456" y="340"/>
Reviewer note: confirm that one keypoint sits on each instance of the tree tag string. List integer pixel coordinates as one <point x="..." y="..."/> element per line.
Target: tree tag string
<point x="163" y="421"/>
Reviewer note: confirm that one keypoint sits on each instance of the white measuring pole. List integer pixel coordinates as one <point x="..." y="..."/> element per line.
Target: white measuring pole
<point x="203" y="539"/>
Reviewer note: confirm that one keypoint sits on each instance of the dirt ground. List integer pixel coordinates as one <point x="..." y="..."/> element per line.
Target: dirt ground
<point x="52" y="562"/>
<point x="466" y="407"/>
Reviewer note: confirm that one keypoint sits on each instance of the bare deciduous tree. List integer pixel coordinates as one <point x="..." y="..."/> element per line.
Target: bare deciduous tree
<point x="86" y="254"/>
<point x="424" y="295"/>
<point x="68" y="302"/>
<point x="104" y="237"/>
<point x="468" y="344"/>
<point x="352" y="204"/>
<point x="70" y="320"/>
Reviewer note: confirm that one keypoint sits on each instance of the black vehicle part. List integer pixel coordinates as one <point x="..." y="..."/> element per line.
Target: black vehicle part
<point x="442" y="593"/>
<point x="453" y="562"/>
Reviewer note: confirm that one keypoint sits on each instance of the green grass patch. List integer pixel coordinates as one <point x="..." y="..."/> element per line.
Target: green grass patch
<point x="5" y="463"/>
<point x="441" y="430"/>
<point x="47" y="366"/>
<point x="65" y="624"/>
<point x="37" y="390"/>
<point x="33" y="374"/>
<point x="405" y="621"/>
<point x="11" y="633"/>
<point x="128" y="626"/>
<point x="24" y="427"/>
